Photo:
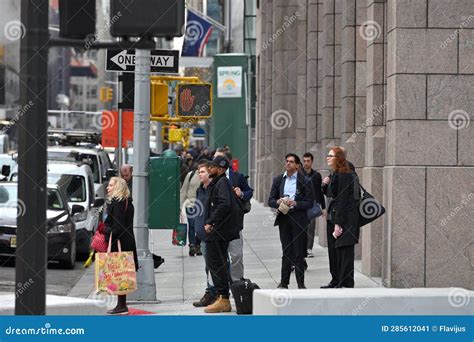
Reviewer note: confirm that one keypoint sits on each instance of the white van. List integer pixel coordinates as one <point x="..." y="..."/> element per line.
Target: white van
<point x="97" y="159"/>
<point x="77" y="183"/>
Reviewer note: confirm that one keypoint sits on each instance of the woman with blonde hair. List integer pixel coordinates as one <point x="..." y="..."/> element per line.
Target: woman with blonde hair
<point x="119" y="223"/>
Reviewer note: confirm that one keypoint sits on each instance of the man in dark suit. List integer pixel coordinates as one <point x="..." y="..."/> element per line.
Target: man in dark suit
<point x="244" y="193"/>
<point x="291" y="196"/>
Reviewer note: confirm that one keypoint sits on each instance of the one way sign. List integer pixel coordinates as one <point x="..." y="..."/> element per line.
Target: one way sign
<point x="162" y="61"/>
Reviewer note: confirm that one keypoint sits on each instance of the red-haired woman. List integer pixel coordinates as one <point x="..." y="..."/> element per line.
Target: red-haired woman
<point x="342" y="219"/>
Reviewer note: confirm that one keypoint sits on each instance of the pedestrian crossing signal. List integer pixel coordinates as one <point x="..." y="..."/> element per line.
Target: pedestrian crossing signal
<point x="194" y="100"/>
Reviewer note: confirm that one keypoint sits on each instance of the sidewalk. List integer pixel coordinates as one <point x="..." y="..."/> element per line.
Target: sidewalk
<point x="181" y="280"/>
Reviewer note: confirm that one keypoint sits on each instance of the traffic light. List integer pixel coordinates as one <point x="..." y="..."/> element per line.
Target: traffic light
<point x="194" y="100"/>
<point x="76" y="18"/>
<point x="159" y="99"/>
<point x="137" y="18"/>
<point x="175" y="134"/>
<point x="106" y="94"/>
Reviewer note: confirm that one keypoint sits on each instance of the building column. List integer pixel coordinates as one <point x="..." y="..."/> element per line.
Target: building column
<point x="353" y="92"/>
<point x="283" y="119"/>
<point x="375" y="33"/>
<point x="331" y="84"/>
<point x="428" y="187"/>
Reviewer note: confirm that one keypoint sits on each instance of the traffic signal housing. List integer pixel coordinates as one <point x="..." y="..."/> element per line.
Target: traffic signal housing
<point x="106" y="94"/>
<point x="76" y="18"/>
<point x="194" y="100"/>
<point x="137" y="18"/>
<point x="159" y="99"/>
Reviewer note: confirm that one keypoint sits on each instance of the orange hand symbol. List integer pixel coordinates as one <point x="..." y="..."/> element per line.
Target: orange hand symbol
<point x="186" y="100"/>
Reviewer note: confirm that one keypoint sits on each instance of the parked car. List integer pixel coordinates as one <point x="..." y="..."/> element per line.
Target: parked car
<point x="7" y="163"/>
<point x="97" y="159"/>
<point x="77" y="183"/>
<point x="61" y="229"/>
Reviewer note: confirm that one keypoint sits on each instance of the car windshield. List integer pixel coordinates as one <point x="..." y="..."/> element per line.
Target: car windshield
<point x="72" y="156"/>
<point x="54" y="200"/>
<point x="74" y="186"/>
<point x="9" y="198"/>
<point x="8" y="195"/>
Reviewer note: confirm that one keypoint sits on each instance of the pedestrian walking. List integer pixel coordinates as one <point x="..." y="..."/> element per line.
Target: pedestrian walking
<point x="313" y="178"/>
<point x="291" y="196"/>
<point x="126" y="172"/>
<point x="119" y="223"/>
<point x="205" y="155"/>
<point x="210" y="294"/>
<point x="221" y="227"/>
<point x="186" y="166"/>
<point x="187" y="200"/>
<point x="343" y="228"/>
<point x="243" y="193"/>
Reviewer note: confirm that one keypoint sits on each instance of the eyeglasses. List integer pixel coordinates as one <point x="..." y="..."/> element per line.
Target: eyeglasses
<point x="329" y="156"/>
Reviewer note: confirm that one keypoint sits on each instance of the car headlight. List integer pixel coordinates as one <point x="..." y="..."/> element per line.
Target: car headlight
<point x="61" y="228"/>
<point x="82" y="216"/>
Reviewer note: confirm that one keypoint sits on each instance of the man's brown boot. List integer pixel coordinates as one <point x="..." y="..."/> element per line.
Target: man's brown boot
<point x="220" y="305"/>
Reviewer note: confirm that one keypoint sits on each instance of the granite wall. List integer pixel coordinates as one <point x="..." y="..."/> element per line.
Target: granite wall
<point x="392" y="81"/>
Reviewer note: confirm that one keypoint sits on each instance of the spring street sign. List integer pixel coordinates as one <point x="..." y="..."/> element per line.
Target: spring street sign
<point x="162" y="61"/>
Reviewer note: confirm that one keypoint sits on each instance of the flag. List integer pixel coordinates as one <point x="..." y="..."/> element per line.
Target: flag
<point x="198" y="31"/>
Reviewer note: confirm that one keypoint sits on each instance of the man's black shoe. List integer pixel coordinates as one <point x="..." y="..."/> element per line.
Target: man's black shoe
<point x="206" y="300"/>
<point x="282" y="286"/>
<point x="331" y="285"/>
<point x="301" y="286"/>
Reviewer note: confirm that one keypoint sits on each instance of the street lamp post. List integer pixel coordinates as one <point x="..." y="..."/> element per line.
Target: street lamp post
<point x="31" y="250"/>
<point x="146" y="289"/>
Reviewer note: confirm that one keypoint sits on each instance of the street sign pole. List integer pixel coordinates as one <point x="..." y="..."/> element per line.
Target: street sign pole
<point x="146" y="289"/>
<point x="120" y="121"/>
<point x="31" y="249"/>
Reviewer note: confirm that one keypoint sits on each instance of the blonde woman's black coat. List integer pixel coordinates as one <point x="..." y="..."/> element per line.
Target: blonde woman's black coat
<point x="119" y="223"/>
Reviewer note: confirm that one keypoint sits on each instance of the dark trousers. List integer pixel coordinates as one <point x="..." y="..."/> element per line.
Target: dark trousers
<point x="311" y="233"/>
<point x="216" y="260"/>
<point x="192" y="237"/>
<point x="333" y="269"/>
<point x="345" y="265"/>
<point x="293" y="243"/>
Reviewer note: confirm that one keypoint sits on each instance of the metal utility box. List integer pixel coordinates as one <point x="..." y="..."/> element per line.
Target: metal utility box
<point x="164" y="191"/>
<point x="77" y="18"/>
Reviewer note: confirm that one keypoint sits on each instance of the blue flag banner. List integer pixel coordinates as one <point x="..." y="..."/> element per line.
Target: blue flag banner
<point x="249" y="328"/>
<point x="198" y="31"/>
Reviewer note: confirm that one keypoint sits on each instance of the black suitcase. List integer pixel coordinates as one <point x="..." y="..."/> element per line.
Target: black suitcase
<point x="242" y="291"/>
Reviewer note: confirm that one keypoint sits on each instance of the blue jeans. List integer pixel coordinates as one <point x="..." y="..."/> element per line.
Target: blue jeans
<point x="210" y="287"/>
<point x="193" y="239"/>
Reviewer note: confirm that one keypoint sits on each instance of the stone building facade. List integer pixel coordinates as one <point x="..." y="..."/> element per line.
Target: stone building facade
<point x="393" y="82"/>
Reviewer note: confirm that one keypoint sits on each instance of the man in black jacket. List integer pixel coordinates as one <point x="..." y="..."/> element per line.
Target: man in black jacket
<point x="221" y="226"/>
<point x="292" y="197"/>
<point x="244" y="193"/>
<point x="314" y="179"/>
